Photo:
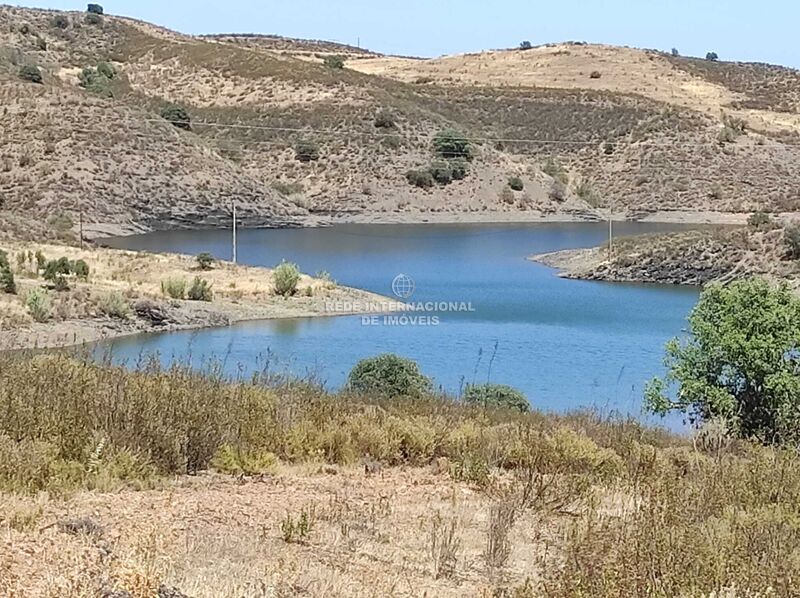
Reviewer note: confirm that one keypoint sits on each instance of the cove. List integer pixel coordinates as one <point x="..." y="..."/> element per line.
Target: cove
<point x="567" y="344"/>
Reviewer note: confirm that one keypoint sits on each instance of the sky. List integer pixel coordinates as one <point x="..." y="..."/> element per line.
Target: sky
<point x="762" y="31"/>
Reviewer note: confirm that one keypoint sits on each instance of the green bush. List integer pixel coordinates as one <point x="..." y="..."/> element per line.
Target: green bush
<point x="334" y="62"/>
<point x="205" y="260"/>
<point x="516" y="183"/>
<point x="107" y="70"/>
<point x="7" y="282"/>
<point x="388" y="376"/>
<point x="759" y="219"/>
<point x="60" y="22"/>
<point x="174" y="287"/>
<point x="38" y="304"/>
<point x="95" y="9"/>
<point x="200" y="290"/>
<point x="792" y="235"/>
<point x="285" y="278"/>
<point x="80" y="269"/>
<point x="30" y="73"/>
<point x="459" y="168"/>
<point x="93" y="19"/>
<point x="441" y="171"/>
<point x="177" y="115"/>
<point x="421" y="178"/>
<point x="114" y="305"/>
<point x="713" y="56"/>
<point x="451" y="144"/>
<point x="385" y="120"/>
<point x="306" y="151"/>
<point x="739" y="363"/>
<point x="56" y="272"/>
<point x="496" y="395"/>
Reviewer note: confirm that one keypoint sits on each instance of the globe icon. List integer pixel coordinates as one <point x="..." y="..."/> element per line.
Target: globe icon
<point x="403" y="286"/>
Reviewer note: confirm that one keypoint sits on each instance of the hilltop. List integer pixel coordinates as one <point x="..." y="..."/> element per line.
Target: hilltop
<point x="637" y="132"/>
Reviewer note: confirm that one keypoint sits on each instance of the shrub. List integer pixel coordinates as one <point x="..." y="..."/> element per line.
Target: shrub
<point x="452" y="144"/>
<point x="739" y="363"/>
<point x="285" y="278"/>
<point x="93" y="19"/>
<point x="7" y="282"/>
<point x="441" y="171"/>
<point x="94" y="9"/>
<point x="558" y="191"/>
<point x="459" y="168"/>
<point x="38" y="304"/>
<point x="306" y="151"/>
<point x="114" y="305"/>
<point x="792" y="235"/>
<point x="29" y="72"/>
<point x="334" y="62"/>
<point x="56" y="272"/>
<point x="421" y="178"/>
<point x="385" y="120"/>
<point x="174" y="287"/>
<point x="759" y="219"/>
<point x="177" y="115"/>
<point x="525" y="45"/>
<point x="516" y="183"/>
<point x="552" y="168"/>
<point x="238" y="461"/>
<point x="388" y="376"/>
<point x="496" y="395"/>
<point x="595" y="75"/>
<point x="205" y="260"/>
<point x="107" y="70"/>
<point x="712" y="56"/>
<point x="675" y="52"/>
<point x="80" y="269"/>
<point x="60" y="22"/>
<point x="200" y="290"/>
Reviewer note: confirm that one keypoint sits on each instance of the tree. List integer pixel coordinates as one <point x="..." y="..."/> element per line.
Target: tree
<point x="56" y="272"/>
<point x="388" y="376"/>
<point x="177" y="115"/>
<point x="450" y="143"/>
<point x="7" y="282"/>
<point x="675" y="52"/>
<point x="740" y="362"/>
<point x="496" y="395"/>
<point x="712" y="56"/>
<point x="30" y="73"/>
<point x="95" y="9"/>
<point x="526" y="45"/>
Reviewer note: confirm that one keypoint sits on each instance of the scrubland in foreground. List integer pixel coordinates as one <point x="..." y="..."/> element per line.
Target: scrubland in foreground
<point x="152" y="482"/>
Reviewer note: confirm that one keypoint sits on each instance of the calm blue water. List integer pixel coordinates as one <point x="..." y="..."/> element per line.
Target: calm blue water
<point x="567" y="344"/>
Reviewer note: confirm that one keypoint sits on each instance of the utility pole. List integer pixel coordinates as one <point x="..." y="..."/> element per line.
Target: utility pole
<point x="80" y="223"/>
<point x="233" y="204"/>
<point x="610" y="233"/>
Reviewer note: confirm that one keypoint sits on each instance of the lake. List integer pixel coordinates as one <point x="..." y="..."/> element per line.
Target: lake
<point x="567" y="344"/>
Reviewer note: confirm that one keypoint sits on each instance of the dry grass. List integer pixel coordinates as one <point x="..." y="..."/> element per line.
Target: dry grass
<point x="571" y="506"/>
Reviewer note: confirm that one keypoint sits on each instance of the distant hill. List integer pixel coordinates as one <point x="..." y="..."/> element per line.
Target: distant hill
<point x="584" y="127"/>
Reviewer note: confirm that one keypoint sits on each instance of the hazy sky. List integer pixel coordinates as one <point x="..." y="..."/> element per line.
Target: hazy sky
<point x="736" y="29"/>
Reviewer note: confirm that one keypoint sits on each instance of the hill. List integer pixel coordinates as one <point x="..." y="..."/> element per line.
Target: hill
<point x="585" y="128"/>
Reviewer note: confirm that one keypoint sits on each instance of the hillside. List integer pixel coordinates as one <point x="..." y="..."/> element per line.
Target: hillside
<point x="651" y="133"/>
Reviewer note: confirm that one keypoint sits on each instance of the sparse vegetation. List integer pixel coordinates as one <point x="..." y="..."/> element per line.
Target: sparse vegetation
<point x="38" y="304"/>
<point x="29" y="72"/>
<point x="114" y="305"/>
<point x="93" y="18"/>
<point x="60" y="22"/>
<point x="388" y="376"/>
<point x="307" y="151"/>
<point x="174" y="287"/>
<point x="385" y="120"/>
<point x="496" y="396"/>
<point x="286" y="276"/>
<point x="177" y="115"/>
<point x="759" y="220"/>
<point x="334" y="62"/>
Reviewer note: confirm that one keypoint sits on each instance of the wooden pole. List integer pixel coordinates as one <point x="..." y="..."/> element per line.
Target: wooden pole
<point x="234" y="231"/>
<point x="80" y="223"/>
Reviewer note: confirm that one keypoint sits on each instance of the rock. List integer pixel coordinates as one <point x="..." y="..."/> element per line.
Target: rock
<point x="170" y="592"/>
<point x="151" y="311"/>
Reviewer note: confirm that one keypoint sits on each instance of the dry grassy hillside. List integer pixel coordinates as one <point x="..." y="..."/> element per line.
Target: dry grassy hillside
<point x="651" y="133"/>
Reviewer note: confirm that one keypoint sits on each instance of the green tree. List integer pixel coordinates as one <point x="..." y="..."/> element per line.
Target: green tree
<point x="496" y="395"/>
<point x="713" y="56"/>
<point x="56" y="271"/>
<point x="388" y="376"/>
<point x="94" y="9"/>
<point x="452" y="144"/>
<point x="525" y="45"/>
<point x="739" y="363"/>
